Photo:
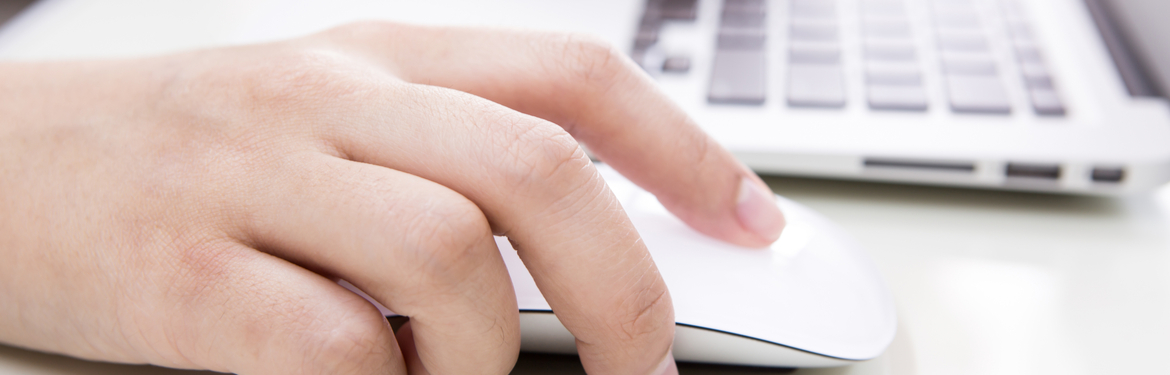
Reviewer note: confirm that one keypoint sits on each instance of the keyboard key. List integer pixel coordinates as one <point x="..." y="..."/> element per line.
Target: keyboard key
<point x="897" y="98"/>
<point x="648" y="27"/>
<point x="962" y="42"/>
<point x="1036" y="76"/>
<point x="1046" y="102"/>
<point x="813" y="9"/>
<point x="813" y="32"/>
<point x="681" y="10"/>
<point x="814" y="54"/>
<point x="639" y="57"/>
<point x="651" y="20"/>
<point x="1010" y="18"/>
<point x="890" y="51"/>
<point x="977" y="94"/>
<point x="816" y="86"/>
<point x="882" y="8"/>
<point x="1038" y="82"/>
<point x="952" y="3"/>
<point x="645" y="38"/>
<point x="740" y="39"/>
<point x="744" y="3"/>
<point x="743" y="15"/>
<point x="891" y="29"/>
<point x="973" y="66"/>
<point x="944" y="8"/>
<point x="1020" y="31"/>
<point x="1033" y="70"/>
<point x="744" y="6"/>
<point x="957" y="20"/>
<point x="738" y="77"/>
<point x="1012" y="9"/>
<point x="676" y="64"/>
<point x="746" y="20"/>
<point x="1028" y="54"/>
<point x="893" y="75"/>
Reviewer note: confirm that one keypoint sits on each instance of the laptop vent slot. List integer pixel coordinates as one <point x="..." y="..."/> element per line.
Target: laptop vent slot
<point x="1028" y="170"/>
<point x="920" y="165"/>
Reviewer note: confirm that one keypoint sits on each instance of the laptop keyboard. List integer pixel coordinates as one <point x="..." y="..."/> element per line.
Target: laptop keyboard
<point x="962" y="57"/>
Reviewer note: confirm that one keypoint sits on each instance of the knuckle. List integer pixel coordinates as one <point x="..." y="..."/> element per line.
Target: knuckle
<point x="344" y="345"/>
<point x="194" y="277"/>
<point x="305" y="78"/>
<point x="538" y="152"/>
<point x="449" y="233"/>
<point x="200" y="270"/>
<point x="590" y="61"/>
<point x="278" y="76"/>
<point x="522" y="152"/>
<point x="647" y="315"/>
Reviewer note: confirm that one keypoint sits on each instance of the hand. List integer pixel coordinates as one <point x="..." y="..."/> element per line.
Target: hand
<point x="196" y="210"/>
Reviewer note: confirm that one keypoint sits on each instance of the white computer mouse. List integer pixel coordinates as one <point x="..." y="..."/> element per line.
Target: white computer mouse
<point x="813" y="299"/>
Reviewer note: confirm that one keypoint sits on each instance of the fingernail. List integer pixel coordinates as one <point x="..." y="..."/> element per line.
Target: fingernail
<point x="667" y="367"/>
<point x="757" y="211"/>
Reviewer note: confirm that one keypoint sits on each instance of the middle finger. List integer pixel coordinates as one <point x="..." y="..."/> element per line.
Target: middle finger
<point x="536" y="186"/>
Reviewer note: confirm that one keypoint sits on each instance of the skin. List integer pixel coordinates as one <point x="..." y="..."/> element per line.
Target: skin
<point x="196" y="210"/>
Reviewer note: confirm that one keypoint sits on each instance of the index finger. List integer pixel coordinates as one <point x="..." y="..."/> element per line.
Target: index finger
<point x="600" y="97"/>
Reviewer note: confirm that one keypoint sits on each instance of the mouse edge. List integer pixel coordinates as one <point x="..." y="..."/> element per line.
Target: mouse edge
<point x="542" y="332"/>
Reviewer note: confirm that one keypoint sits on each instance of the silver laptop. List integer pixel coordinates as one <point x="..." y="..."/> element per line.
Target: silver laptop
<point x="1042" y="95"/>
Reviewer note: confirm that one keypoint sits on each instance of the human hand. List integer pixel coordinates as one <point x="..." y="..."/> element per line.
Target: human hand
<point x="196" y="210"/>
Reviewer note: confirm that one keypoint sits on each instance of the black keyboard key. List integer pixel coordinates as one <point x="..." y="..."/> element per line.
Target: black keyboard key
<point x="676" y="64"/>
<point x="644" y="39"/>
<point x="742" y="20"/>
<point x="749" y="6"/>
<point x="679" y="10"/>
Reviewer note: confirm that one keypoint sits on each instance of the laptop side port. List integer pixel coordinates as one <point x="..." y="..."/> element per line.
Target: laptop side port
<point x="922" y="165"/>
<point x="1033" y="170"/>
<point x="1111" y="175"/>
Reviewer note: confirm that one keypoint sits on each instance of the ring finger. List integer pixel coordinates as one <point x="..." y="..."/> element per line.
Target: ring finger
<point x="417" y="247"/>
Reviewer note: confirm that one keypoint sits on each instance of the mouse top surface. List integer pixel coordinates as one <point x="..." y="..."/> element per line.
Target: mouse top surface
<point x="813" y="290"/>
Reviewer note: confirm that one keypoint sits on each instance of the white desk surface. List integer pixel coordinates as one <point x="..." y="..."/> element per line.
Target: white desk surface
<point x="987" y="282"/>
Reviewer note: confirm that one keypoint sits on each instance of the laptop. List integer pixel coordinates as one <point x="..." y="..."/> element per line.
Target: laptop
<point x="1061" y="96"/>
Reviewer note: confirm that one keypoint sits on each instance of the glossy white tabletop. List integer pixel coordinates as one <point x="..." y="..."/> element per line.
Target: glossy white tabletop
<point x="986" y="282"/>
